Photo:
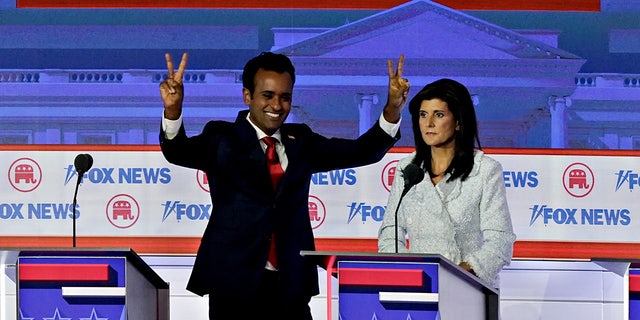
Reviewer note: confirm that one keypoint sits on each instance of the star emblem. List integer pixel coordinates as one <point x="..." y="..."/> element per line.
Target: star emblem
<point x="22" y="317"/>
<point x="94" y="316"/>
<point x="56" y="316"/>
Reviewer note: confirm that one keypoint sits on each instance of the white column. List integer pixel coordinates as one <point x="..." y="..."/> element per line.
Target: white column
<point x="52" y="136"/>
<point x="133" y="136"/>
<point x="559" y="120"/>
<point x="70" y="137"/>
<point x="365" y="108"/>
<point x="611" y="140"/>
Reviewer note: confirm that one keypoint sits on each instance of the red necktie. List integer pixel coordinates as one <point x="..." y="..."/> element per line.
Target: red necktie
<point x="275" y="169"/>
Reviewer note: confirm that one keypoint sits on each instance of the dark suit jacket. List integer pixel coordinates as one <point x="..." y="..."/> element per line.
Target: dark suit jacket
<point x="245" y="208"/>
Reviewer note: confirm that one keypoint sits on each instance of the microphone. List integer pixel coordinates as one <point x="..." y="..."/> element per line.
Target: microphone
<point x="413" y="175"/>
<point x="82" y="163"/>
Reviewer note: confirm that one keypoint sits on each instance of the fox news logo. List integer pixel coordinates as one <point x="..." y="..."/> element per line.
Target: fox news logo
<point x="580" y="216"/>
<point x="366" y="212"/>
<point x="188" y="211"/>
<point x="335" y="178"/>
<point x="37" y="211"/>
<point x="628" y="178"/>
<point x="137" y="175"/>
<point x="520" y="179"/>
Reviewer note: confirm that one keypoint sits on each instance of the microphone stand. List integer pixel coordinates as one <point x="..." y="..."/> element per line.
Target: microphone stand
<point x="75" y="201"/>
<point x="413" y="174"/>
<point x="404" y="192"/>
<point x="82" y="164"/>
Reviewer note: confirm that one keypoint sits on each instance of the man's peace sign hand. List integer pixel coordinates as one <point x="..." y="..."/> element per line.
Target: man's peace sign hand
<point x="172" y="90"/>
<point x="398" y="91"/>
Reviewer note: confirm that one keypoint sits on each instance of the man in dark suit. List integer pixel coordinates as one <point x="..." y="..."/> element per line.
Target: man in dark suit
<point x="250" y="211"/>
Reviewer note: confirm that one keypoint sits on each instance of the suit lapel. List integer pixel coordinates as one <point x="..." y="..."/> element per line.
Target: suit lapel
<point x="248" y="141"/>
<point x="292" y="146"/>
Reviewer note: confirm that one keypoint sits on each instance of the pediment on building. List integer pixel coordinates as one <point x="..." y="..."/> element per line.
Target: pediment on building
<point x="512" y="74"/>
<point x="422" y="30"/>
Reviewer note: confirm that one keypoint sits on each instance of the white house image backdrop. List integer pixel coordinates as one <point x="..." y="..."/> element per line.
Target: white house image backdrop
<point x="542" y="79"/>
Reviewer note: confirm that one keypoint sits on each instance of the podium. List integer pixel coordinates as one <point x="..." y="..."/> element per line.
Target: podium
<point x="634" y="290"/>
<point x="88" y="284"/>
<point x="404" y="286"/>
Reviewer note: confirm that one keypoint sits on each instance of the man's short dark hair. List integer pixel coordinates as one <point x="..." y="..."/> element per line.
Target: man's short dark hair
<point x="268" y="61"/>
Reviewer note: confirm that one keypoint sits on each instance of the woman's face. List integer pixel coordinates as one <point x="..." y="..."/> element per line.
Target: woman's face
<point x="437" y="124"/>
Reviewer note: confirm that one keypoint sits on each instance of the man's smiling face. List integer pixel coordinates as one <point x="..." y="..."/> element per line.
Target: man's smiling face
<point x="270" y="103"/>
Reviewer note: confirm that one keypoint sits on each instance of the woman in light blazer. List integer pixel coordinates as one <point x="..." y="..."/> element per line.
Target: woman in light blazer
<point x="459" y="210"/>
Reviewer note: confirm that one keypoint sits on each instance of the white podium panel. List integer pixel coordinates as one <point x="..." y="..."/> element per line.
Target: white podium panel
<point x="560" y="290"/>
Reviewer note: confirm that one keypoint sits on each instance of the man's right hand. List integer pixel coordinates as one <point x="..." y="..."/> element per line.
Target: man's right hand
<point x="398" y="91"/>
<point x="172" y="90"/>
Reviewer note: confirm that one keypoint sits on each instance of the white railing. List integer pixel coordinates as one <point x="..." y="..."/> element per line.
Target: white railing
<point x="115" y="76"/>
<point x="599" y="80"/>
<point x="608" y="80"/>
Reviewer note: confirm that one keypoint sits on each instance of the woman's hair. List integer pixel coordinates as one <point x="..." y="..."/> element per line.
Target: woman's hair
<point x="459" y="102"/>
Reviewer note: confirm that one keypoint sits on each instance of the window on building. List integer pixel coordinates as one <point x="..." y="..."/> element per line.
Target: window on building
<point x="96" y="138"/>
<point x="635" y="143"/>
<point x="15" y="138"/>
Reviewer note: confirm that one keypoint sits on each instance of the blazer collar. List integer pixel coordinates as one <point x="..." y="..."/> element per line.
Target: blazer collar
<point x="246" y="133"/>
<point x="248" y="140"/>
<point x="288" y="137"/>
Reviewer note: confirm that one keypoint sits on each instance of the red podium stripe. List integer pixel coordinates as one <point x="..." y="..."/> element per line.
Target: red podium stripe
<point x="381" y="277"/>
<point x="63" y="272"/>
<point x="634" y="283"/>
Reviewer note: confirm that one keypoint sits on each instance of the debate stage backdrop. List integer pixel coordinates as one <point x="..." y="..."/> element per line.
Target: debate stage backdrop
<point x="556" y="87"/>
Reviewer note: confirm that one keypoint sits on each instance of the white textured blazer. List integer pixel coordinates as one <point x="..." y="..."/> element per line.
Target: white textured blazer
<point x="463" y="221"/>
